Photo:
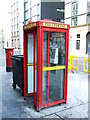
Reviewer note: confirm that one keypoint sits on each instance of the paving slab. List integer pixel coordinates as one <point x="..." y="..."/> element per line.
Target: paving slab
<point x="14" y="113"/>
<point x="32" y="113"/>
<point x="76" y="112"/>
<point x="52" y="116"/>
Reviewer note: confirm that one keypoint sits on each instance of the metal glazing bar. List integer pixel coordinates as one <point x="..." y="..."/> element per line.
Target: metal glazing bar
<point x="53" y="68"/>
<point x="30" y="64"/>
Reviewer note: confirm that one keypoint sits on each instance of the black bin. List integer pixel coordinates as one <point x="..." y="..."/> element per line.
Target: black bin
<point x="18" y="74"/>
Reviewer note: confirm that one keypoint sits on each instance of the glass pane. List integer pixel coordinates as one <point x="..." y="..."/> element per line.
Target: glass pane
<point x="55" y="90"/>
<point x="57" y="58"/>
<point x="30" y="61"/>
<point x="36" y="69"/>
<point x="45" y="63"/>
<point x="56" y="85"/>
<point x="57" y="49"/>
<point x="36" y="63"/>
<point x="44" y="87"/>
<point x="45" y="48"/>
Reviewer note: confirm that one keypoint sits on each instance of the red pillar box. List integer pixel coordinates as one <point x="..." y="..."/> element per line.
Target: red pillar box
<point x="9" y="53"/>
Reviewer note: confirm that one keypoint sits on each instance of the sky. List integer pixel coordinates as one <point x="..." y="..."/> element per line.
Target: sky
<point x="5" y="18"/>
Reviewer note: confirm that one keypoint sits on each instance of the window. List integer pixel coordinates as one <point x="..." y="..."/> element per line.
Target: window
<point x="12" y="28"/>
<point x="12" y="21"/>
<point x="88" y="12"/>
<point x="12" y="43"/>
<point x="30" y="3"/>
<point x="15" y="43"/>
<point x="34" y="10"/>
<point x="17" y="19"/>
<point x="30" y="12"/>
<point x="12" y="34"/>
<point x="17" y="33"/>
<point x="78" y="35"/>
<point x="26" y="22"/>
<point x="26" y="15"/>
<point x="74" y="13"/>
<point x="17" y="5"/>
<point x="17" y="27"/>
<point x="7" y="44"/>
<point x="74" y="21"/>
<point x="18" y="43"/>
<point x="74" y="8"/>
<point x="38" y="17"/>
<point x="38" y="8"/>
<point x="77" y="44"/>
<point x="88" y="19"/>
<point x="26" y="6"/>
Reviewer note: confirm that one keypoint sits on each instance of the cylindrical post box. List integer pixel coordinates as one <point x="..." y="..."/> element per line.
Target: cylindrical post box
<point x="9" y="53"/>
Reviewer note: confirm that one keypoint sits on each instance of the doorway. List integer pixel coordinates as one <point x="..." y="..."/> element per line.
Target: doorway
<point x="87" y="41"/>
<point x="53" y="66"/>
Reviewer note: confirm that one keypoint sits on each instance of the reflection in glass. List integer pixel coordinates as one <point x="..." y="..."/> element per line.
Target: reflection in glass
<point x="45" y="62"/>
<point x="45" y="48"/>
<point x="56" y="85"/>
<point x="56" y="58"/>
<point x="30" y="61"/>
<point x="36" y="69"/>
<point x="57" y="49"/>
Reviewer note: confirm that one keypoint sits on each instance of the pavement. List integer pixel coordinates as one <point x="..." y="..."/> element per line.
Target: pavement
<point x="13" y="105"/>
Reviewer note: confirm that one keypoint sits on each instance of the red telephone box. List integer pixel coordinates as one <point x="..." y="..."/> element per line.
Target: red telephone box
<point x="46" y="45"/>
<point x="9" y="52"/>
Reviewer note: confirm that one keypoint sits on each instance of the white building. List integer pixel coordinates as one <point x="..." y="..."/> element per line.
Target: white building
<point x="77" y="14"/>
<point x="40" y="9"/>
<point x="5" y="24"/>
<point x="31" y="10"/>
<point x="17" y="19"/>
<point x="1" y="31"/>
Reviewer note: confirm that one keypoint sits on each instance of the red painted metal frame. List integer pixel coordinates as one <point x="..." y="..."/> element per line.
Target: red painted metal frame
<point x="67" y="64"/>
<point x="48" y="66"/>
<point x="39" y="27"/>
<point x="52" y="103"/>
<point x="25" y="63"/>
<point x="39" y="79"/>
<point x="66" y="61"/>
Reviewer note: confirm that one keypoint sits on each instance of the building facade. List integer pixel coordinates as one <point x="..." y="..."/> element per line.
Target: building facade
<point x="77" y="14"/>
<point x="14" y="24"/>
<point x="41" y="9"/>
<point x="17" y="19"/>
<point x="1" y="39"/>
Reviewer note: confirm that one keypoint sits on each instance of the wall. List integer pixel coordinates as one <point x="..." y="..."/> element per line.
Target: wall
<point x="82" y="12"/>
<point x="82" y="20"/>
<point x="82" y="31"/>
